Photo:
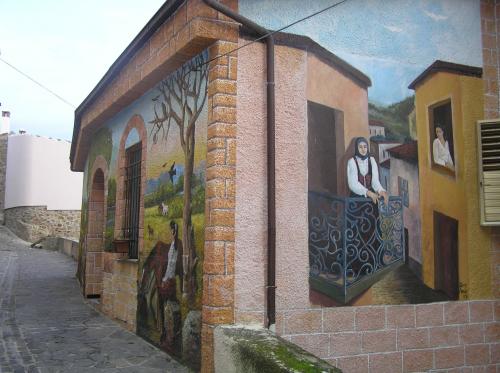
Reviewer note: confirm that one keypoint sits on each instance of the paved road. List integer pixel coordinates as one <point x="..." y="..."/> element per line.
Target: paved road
<point x="45" y="325"/>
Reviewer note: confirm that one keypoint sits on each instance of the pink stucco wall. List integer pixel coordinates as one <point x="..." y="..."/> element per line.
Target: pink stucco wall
<point x="291" y="183"/>
<point x="329" y="87"/>
<point x="356" y="339"/>
<point x="299" y="77"/>
<point x="251" y="196"/>
<point x="411" y="216"/>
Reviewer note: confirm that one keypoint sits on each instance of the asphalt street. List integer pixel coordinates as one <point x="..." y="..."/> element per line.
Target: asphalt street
<point x="47" y="326"/>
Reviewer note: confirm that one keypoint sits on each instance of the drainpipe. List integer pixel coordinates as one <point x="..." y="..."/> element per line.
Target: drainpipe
<point x="271" y="178"/>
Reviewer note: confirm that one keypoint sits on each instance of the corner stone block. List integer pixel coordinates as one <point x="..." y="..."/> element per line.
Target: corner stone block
<point x="303" y="321"/>
<point x="338" y="319"/>
<point x="386" y="363"/>
<point x="481" y="311"/>
<point x="429" y="314"/>
<point x="449" y="357"/>
<point x="418" y="360"/>
<point x="370" y="318"/>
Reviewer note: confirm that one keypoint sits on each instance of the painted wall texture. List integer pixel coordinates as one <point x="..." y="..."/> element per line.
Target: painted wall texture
<point x="167" y="309"/>
<point x="352" y="108"/>
<point x="455" y="195"/>
<point x="390" y="41"/>
<point x="393" y="51"/>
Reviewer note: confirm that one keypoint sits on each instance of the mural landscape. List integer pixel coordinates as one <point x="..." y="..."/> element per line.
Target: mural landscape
<point x="171" y="260"/>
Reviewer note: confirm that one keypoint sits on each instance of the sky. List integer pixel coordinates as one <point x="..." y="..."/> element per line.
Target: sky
<point x="69" y="45"/>
<point x="391" y="41"/>
<point x="65" y="45"/>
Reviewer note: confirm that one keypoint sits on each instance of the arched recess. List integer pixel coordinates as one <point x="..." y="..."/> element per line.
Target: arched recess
<point x="137" y="123"/>
<point x="96" y="227"/>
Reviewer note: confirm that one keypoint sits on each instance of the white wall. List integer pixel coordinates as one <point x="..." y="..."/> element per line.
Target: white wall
<point x="385" y="147"/>
<point x="38" y="174"/>
<point x="411" y="216"/>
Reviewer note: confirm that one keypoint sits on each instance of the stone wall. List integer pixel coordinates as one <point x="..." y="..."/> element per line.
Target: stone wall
<point x="3" y="169"/>
<point x="406" y="338"/>
<point x="250" y="350"/>
<point x="119" y="296"/>
<point x="32" y="223"/>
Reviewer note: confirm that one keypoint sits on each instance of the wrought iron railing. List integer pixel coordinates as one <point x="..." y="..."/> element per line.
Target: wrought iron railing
<point x="353" y="243"/>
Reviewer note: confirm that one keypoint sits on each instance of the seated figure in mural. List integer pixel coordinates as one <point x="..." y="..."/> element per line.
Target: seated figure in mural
<point x="158" y="302"/>
<point x="441" y="150"/>
<point x="362" y="174"/>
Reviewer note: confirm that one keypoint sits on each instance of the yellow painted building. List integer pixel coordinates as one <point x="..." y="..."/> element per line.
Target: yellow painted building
<point x="455" y="248"/>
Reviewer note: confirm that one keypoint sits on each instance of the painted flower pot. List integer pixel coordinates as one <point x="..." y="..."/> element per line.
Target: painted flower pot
<point x="121" y="245"/>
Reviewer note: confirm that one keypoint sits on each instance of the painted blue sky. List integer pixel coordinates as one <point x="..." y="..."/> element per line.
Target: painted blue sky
<point x="392" y="41"/>
<point x="69" y="45"/>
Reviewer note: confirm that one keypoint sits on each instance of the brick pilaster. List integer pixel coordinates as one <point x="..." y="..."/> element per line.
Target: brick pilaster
<point x="490" y="27"/>
<point x="96" y="220"/>
<point x="218" y="266"/>
<point x="490" y="12"/>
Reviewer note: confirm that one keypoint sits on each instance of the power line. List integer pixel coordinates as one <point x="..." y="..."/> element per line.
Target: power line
<point x="207" y="62"/>
<point x="274" y="32"/>
<point x="38" y="83"/>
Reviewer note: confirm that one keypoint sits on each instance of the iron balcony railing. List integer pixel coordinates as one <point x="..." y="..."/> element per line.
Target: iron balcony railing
<point x="353" y="243"/>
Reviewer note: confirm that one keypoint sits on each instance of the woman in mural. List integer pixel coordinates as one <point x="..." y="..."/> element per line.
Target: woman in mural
<point x="363" y="218"/>
<point x="362" y="174"/>
<point x="441" y="150"/>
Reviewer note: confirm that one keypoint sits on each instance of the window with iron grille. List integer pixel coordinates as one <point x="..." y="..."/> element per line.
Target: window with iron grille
<point x="132" y="197"/>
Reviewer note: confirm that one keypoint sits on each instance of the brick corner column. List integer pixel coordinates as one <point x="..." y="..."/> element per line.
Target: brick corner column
<point x="218" y="266"/>
<point x="490" y="27"/>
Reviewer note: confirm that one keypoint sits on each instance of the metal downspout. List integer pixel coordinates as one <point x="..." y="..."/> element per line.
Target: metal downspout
<point x="271" y="155"/>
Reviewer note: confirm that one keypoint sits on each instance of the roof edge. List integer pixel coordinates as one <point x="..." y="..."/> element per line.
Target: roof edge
<point x="309" y="45"/>
<point x="449" y="67"/>
<point x="165" y="11"/>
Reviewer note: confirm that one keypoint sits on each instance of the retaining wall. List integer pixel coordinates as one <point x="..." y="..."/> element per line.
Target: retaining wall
<point x="32" y="223"/>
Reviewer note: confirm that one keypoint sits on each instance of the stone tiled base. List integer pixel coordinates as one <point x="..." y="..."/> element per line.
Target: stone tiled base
<point x="119" y="296"/>
<point x="408" y="338"/>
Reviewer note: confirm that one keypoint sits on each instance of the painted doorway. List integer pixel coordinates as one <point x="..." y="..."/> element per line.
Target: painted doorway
<point x="95" y="237"/>
<point x="446" y="255"/>
<point x="325" y="148"/>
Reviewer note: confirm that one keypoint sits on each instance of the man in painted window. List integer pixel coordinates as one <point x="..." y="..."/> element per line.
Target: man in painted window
<point x="362" y="174"/>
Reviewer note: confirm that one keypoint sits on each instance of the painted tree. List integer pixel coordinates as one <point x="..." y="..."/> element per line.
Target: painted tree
<point x="180" y="102"/>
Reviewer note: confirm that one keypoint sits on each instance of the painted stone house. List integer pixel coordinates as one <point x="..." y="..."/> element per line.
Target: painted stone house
<point x="404" y="182"/>
<point x="199" y="212"/>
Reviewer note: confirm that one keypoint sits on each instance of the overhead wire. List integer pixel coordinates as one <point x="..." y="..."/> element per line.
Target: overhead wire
<point x="272" y="32"/>
<point x="38" y="83"/>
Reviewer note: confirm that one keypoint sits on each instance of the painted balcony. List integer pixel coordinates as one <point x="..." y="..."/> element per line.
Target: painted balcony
<point x="353" y="243"/>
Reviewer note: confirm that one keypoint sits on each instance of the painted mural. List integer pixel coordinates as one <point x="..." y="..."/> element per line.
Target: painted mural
<point x="171" y="260"/>
<point x="375" y="228"/>
<point x="103" y="146"/>
<point x="170" y="284"/>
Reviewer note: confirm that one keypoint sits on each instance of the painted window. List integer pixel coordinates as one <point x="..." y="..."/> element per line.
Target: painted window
<point x="441" y="137"/>
<point x="403" y="191"/>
